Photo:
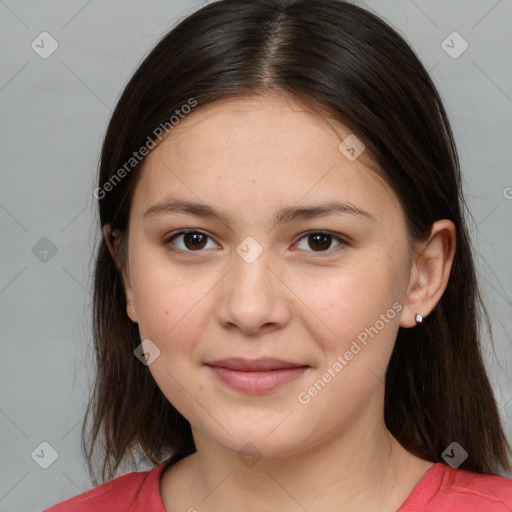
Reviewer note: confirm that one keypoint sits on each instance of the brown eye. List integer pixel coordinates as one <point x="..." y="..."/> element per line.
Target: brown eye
<point x="191" y="241"/>
<point x="321" y="242"/>
<point x="194" y="240"/>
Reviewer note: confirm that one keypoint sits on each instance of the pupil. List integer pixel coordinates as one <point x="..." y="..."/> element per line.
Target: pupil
<point x="195" y="239"/>
<point x="318" y="241"/>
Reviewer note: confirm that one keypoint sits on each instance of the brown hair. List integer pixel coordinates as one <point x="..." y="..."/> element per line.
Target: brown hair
<point x="350" y="65"/>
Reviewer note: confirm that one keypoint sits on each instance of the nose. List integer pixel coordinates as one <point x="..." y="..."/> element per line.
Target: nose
<point x="253" y="297"/>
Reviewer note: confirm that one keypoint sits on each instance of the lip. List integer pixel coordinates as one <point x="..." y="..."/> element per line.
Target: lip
<point x="254" y="365"/>
<point x="256" y="376"/>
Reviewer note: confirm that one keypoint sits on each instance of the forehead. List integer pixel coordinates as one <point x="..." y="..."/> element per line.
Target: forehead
<point x="257" y="152"/>
<point x="243" y="125"/>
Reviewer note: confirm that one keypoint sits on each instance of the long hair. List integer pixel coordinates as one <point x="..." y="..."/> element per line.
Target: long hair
<point x="349" y="65"/>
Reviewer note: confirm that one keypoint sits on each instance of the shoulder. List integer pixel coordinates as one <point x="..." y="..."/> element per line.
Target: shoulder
<point x="135" y="491"/>
<point x="446" y="489"/>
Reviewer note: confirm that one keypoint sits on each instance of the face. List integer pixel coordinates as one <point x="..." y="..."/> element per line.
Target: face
<point x="270" y="277"/>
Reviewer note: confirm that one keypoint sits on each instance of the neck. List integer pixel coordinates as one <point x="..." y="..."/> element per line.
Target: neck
<point x="356" y="470"/>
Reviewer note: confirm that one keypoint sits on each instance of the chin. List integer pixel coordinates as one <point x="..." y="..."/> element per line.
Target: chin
<point x="259" y="444"/>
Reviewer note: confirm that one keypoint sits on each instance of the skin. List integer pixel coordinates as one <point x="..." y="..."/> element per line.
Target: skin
<point x="247" y="158"/>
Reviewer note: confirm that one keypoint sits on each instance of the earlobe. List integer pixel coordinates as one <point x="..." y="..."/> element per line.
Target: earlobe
<point x="112" y="240"/>
<point x="131" y="311"/>
<point x="429" y="273"/>
<point x="130" y="304"/>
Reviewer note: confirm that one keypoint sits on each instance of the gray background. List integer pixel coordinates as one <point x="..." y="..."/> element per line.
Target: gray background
<point x="53" y="115"/>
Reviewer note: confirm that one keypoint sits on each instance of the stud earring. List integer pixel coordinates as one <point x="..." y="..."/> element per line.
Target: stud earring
<point x="133" y="306"/>
<point x="419" y="318"/>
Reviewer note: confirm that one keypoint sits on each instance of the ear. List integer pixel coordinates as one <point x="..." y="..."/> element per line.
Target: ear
<point x="430" y="272"/>
<point x="112" y="240"/>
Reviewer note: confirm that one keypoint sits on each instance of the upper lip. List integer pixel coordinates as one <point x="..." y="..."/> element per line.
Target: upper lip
<point x="254" y="365"/>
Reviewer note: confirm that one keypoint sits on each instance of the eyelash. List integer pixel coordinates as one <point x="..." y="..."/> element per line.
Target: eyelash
<point x="342" y="242"/>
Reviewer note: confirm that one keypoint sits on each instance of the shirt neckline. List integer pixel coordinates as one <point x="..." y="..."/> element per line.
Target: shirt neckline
<point x="411" y="500"/>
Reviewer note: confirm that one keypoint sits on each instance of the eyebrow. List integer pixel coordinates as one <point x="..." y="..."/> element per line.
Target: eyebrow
<point x="285" y="215"/>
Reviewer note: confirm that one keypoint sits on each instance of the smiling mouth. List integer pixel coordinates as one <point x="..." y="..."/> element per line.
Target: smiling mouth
<point x="256" y="376"/>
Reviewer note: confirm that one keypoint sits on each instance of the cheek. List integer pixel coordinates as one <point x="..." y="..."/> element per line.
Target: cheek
<point x="170" y="300"/>
<point x="360" y="308"/>
<point x="173" y="308"/>
<point x="354" y="299"/>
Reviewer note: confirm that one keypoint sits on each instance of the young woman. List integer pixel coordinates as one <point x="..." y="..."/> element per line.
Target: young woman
<point x="286" y="313"/>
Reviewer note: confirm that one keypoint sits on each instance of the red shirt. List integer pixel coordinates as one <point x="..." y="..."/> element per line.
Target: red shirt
<point x="442" y="489"/>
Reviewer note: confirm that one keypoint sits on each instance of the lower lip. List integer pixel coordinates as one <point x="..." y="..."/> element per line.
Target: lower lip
<point x="257" y="382"/>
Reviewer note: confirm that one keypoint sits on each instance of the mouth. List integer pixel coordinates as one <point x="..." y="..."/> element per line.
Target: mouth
<point x="256" y="376"/>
